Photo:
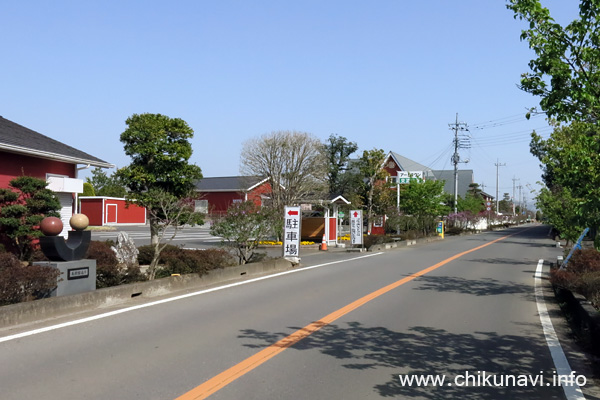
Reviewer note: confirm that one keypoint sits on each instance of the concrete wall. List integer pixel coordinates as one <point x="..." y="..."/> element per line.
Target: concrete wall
<point x="45" y="309"/>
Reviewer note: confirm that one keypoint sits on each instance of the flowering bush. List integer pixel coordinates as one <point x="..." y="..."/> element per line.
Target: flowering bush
<point x="463" y="220"/>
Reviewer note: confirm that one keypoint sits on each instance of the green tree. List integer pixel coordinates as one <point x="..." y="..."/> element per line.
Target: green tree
<point x="565" y="73"/>
<point x="243" y="227"/>
<point x="88" y="190"/>
<point x="473" y="201"/>
<point x="505" y="205"/>
<point x="338" y="150"/>
<point x="424" y="202"/>
<point x="160" y="176"/>
<point x="104" y="185"/>
<point x="561" y="211"/>
<point x="571" y="162"/>
<point x="23" y="206"/>
<point x="371" y="170"/>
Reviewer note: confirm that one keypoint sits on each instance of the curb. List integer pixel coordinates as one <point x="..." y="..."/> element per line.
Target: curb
<point x="585" y="319"/>
<point x="43" y="309"/>
<point x="403" y="243"/>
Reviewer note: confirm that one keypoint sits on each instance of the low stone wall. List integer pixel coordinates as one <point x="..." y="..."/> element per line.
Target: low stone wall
<point x="56" y="306"/>
<point x="583" y="318"/>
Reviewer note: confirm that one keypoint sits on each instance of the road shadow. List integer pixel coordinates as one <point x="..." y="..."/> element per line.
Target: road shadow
<point x="505" y="261"/>
<point x="475" y="287"/>
<point x="422" y="350"/>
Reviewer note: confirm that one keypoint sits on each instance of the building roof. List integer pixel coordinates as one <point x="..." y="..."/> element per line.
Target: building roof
<point x="487" y="195"/>
<point x="406" y="164"/>
<point x="15" y="138"/>
<point x="465" y="178"/>
<point x="229" y="183"/>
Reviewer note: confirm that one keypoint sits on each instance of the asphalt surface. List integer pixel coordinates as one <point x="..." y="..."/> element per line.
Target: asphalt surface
<point x="469" y="311"/>
<point x="193" y="237"/>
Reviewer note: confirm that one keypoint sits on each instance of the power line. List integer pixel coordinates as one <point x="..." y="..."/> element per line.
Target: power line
<point x="500" y="119"/>
<point x="503" y="121"/>
<point x="440" y="156"/>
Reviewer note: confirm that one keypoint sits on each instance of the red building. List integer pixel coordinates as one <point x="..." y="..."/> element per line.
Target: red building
<point x="112" y="211"/>
<point x="26" y="152"/>
<point x="217" y="194"/>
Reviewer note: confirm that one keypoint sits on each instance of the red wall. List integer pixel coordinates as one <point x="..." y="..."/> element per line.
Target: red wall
<point x="13" y="165"/>
<point x="127" y="213"/>
<point x="96" y="210"/>
<point x="332" y="228"/>
<point x="219" y="202"/>
<point x="254" y="195"/>
<point x="93" y="209"/>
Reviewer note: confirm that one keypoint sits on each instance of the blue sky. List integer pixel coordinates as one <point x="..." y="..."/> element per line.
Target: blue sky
<point x="385" y="74"/>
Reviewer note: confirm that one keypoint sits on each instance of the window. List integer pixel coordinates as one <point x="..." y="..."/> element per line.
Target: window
<point x="201" y="206"/>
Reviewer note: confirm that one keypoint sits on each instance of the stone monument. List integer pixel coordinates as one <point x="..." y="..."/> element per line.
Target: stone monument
<point x="76" y="274"/>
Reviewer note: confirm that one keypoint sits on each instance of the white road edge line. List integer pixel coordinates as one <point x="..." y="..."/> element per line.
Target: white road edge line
<point x="572" y="392"/>
<point x="154" y="303"/>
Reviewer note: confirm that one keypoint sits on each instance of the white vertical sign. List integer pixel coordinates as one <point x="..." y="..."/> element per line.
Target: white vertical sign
<point x="356" y="225"/>
<point x="291" y="232"/>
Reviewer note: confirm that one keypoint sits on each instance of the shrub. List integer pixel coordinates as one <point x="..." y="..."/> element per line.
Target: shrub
<point x="258" y="257"/>
<point x="454" y="230"/>
<point x="23" y="206"/>
<point x="101" y="252"/>
<point x="581" y="275"/>
<point x="371" y="240"/>
<point x="243" y="227"/>
<point x="409" y="235"/>
<point x="176" y="260"/>
<point x="108" y="271"/>
<point x="20" y="282"/>
<point x="146" y="253"/>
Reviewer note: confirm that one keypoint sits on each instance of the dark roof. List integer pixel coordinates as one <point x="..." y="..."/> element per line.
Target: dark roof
<point x="465" y="178"/>
<point x="229" y="183"/>
<point x="15" y="138"/>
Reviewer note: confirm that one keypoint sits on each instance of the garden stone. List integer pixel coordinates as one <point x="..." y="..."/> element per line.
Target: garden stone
<point x="125" y="250"/>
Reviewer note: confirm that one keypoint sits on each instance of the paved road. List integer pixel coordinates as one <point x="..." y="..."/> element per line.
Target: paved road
<point x="192" y="237"/>
<point x="458" y="308"/>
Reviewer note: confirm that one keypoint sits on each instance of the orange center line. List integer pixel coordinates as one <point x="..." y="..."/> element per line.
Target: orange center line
<point x="223" y="379"/>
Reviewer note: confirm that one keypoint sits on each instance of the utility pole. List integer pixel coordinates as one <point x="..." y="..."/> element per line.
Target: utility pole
<point x="461" y="142"/>
<point x="498" y="165"/>
<point x="520" y="206"/>
<point x="513" y="196"/>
